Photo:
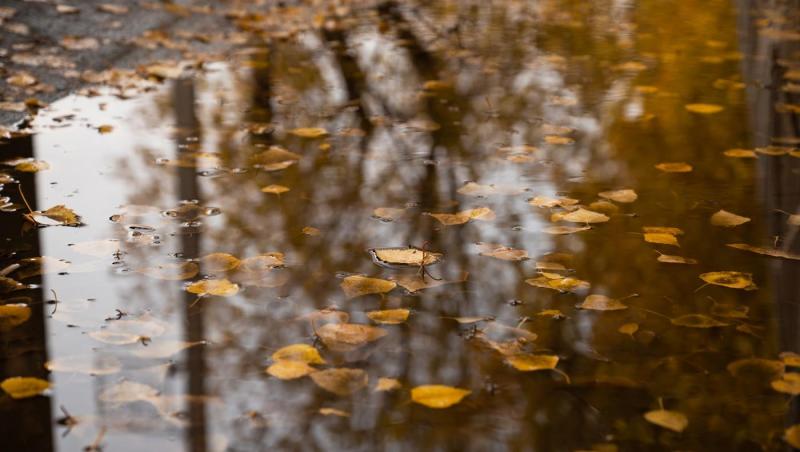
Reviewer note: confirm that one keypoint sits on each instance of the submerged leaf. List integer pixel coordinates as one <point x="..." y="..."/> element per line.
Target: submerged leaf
<point x="624" y="196"/>
<point x="671" y="420"/>
<point x="97" y="248"/>
<point x="474" y="189"/>
<point x="414" y="283"/>
<point x="356" y="286"/>
<point x="727" y="219"/>
<point x="740" y="153"/>
<point x="438" y="396"/>
<point x="792" y="436"/>
<point x="128" y="391"/>
<point x="598" y="302"/>
<point x="756" y="366"/>
<point x="348" y="336"/>
<point x="697" y="321"/>
<point x="788" y="384"/>
<point x="341" y="381"/>
<point x="732" y="279"/>
<point x="674" y="167"/>
<point x="24" y="387"/>
<point x="629" y="329"/>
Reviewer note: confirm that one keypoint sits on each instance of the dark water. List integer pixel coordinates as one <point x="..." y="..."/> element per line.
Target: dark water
<point x="598" y="88"/>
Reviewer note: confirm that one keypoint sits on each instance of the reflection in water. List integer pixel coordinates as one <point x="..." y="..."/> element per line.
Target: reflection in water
<point x="556" y="99"/>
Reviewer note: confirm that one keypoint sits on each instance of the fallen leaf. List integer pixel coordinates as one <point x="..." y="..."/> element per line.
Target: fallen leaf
<point x="756" y="366"/>
<point x="479" y="213"/>
<point x="674" y="167"/>
<point x="309" y="132"/>
<point x="341" y="381"/>
<point x="219" y="262"/>
<point x="670" y="420"/>
<point x="732" y="279"/>
<point x="92" y="364"/>
<point x="216" y="287"/>
<point x="112" y="8"/>
<point x="765" y="251"/>
<point x="120" y="332"/>
<point x="387" y="384"/>
<point x="9" y="285"/>
<point x="59" y="215"/>
<point x="164" y="348"/>
<point x="558" y="282"/>
<point x="287" y="369"/>
<point x="502" y="252"/>
<point x="705" y="109"/>
<point x="388" y="213"/>
<point x="274" y="189"/>
<point x="629" y="329"/>
<point x="409" y="256"/>
<point x="697" y="321"/>
<point x="788" y="384"/>
<point x="563" y="230"/>
<point x="348" y="336"/>
<point x="558" y="140"/>
<point x="389" y="316"/>
<point x="727" y="219"/>
<point x="773" y="151"/>
<point x="275" y="158"/>
<point x="672" y="259"/>
<point x="356" y="286"/>
<point x="325" y="411"/>
<point x="740" y="153"/>
<point x="546" y="201"/>
<point x="606" y="207"/>
<point x="42" y="265"/>
<point x="29" y="165"/>
<point x="128" y="391"/>
<point x="438" y="396"/>
<point x="623" y="196"/>
<point x="598" y="302"/>
<point x="24" y="387"/>
<point x="529" y="363"/>
<point x="661" y="238"/>
<point x="585" y="216"/>
<point x="299" y="352"/>
<point x="310" y="231"/>
<point x="792" y="436"/>
<point x="414" y="283"/>
<point x="662" y="230"/>
<point x="97" y="248"/>
<point x="474" y="189"/>
<point x="13" y="314"/>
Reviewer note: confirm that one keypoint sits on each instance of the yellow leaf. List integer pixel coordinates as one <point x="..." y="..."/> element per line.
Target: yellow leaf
<point x="348" y="336"/>
<point x="274" y="159"/>
<point x="13" y="314"/>
<point x="311" y="231"/>
<point x="475" y="189"/>
<point x="309" y="132"/>
<point x="219" y="262"/>
<point x="765" y="251"/>
<point x="405" y="256"/>
<point x="530" y="363"/>
<point x="597" y="302"/>
<point x="697" y="321"/>
<point x="217" y="287"/>
<point x="389" y="316"/>
<point x="563" y="230"/>
<point x="672" y="259"/>
<point x="502" y="252"/>
<point x="435" y="85"/>
<point x="438" y="396"/>
<point x="275" y="189"/>
<point x="773" y="151"/>
<point x="325" y="411"/>
<point x="756" y="366"/>
<point x="59" y="215"/>
<point x="299" y="352"/>
<point x="172" y="272"/>
<point x="585" y="216"/>
<point x="286" y="369"/>
<point x="546" y="201"/>
<point x="387" y="384"/>
<point x="705" y="109"/>
<point x="356" y="286"/>
<point x="479" y="213"/>
<point x="661" y="238"/>
<point x="558" y="282"/>
<point x="788" y="384"/>
<point x="674" y="167"/>
<point x="734" y="280"/>
<point x="727" y="219"/>
<point x="629" y="328"/>
<point x="558" y="140"/>
<point x="671" y="420"/>
<point x="24" y="387"/>
<point x="341" y="381"/>
<point x="740" y="153"/>
<point x="31" y="165"/>
<point x="624" y="195"/>
<point x="662" y="230"/>
<point x="792" y="436"/>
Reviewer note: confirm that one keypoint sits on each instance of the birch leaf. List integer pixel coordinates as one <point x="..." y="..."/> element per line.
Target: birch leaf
<point x="727" y="219"/>
<point x="356" y="286"/>
<point x="438" y="396"/>
<point x="670" y="420"/>
<point x="24" y="387"/>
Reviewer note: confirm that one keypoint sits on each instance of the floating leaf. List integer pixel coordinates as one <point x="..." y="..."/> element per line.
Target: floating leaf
<point x="341" y="381"/>
<point x="388" y="213"/>
<point x="479" y="213"/>
<point x="727" y="219"/>
<point x="348" y="336"/>
<point x="474" y="189"/>
<point x="128" y="391"/>
<point x="623" y="196"/>
<point x="275" y="159"/>
<point x="97" y="248"/>
<point x="674" y="167"/>
<point x="387" y="384"/>
<point x="502" y="252"/>
<point x="756" y="366"/>
<point x="164" y="348"/>
<point x="529" y="363"/>
<point x="661" y="238"/>
<point x="275" y="189"/>
<point x="670" y="420"/>
<point x="438" y="396"/>
<point x="299" y="352"/>
<point x="705" y="109"/>
<point x="287" y="369"/>
<point x="672" y="259"/>
<point x="325" y="411"/>
<point x="740" y="153"/>
<point x="558" y="282"/>
<point x="697" y="321"/>
<point x="59" y="215"/>
<point x="546" y="201"/>
<point x="765" y="251"/>
<point x="389" y="316"/>
<point x="554" y="314"/>
<point x="309" y="132"/>
<point x="732" y="279"/>
<point x="217" y="287"/>
<point x="356" y="286"/>
<point x="310" y="231"/>
<point x="10" y="285"/>
<point x="563" y="230"/>
<point x="172" y="272"/>
<point x="773" y="151"/>
<point x="120" y="332"/>
<point x="410" y="256"/>
<point x="792" y="436"/>
<point x="558" y="140"/>
<point x="662" y="230"/>
<point x="13" y="314"/>
<point x="788" y="384"/>
<point x="24" y="387"/>
<point x="585" y="216"/>
<point x="629" y="329"/>
<point x="91" y="364"/>
<point x="219" y="262"/>
<point x="598" y="302"/>
<point x="413" y="283"/>
<point x="262" y="262"/>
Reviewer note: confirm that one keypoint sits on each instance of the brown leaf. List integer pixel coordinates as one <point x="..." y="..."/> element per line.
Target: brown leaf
<point x="341" y="381"/>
